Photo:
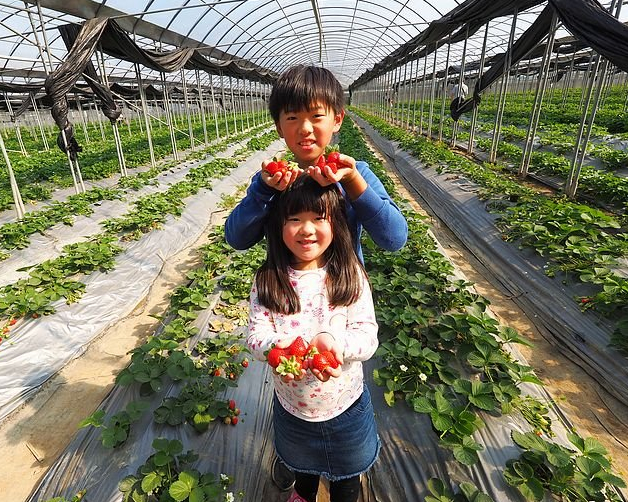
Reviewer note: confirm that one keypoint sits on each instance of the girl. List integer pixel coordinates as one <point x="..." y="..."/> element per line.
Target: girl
<point x="313" y="285"/>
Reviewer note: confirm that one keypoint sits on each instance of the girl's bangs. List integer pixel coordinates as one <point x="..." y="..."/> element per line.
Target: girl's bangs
<point x="309" y="197"/>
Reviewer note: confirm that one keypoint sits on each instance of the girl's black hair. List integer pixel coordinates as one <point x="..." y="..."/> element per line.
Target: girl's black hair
<point x="344" y="269"/>
<point x="300" y="87"/>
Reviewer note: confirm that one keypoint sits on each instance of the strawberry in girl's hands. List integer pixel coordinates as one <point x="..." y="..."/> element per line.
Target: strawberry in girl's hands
<point x="276" y="355"/>
<point x="299" y="347"/>
<point x="324" y="360"/>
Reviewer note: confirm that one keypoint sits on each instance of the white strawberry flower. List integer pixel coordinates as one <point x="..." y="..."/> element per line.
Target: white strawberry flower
<point x="403" y="367"/>
<point x="422" y="377"/>
<point x="229" y="497"/>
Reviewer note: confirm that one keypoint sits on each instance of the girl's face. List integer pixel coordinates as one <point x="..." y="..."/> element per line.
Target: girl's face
<point x="308" y="132"/>
<point x="307" y="235"/>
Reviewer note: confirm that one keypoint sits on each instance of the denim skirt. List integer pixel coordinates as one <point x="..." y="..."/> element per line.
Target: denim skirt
<point x="339" y="448"/>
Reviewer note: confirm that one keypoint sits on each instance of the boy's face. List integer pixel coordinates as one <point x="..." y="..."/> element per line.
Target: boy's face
<point x="308" y="132"/>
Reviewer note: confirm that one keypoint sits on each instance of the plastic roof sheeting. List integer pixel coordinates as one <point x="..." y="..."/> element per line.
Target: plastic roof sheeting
<point x="350" y="37"/>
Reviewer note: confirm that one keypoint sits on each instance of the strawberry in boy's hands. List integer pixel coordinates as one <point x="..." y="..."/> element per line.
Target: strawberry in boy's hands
<point x="335" y="167"/>
<point x="279" y="173"/>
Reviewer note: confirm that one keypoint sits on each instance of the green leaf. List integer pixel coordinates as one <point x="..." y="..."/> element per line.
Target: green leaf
<point x="529" y="441"/>
<point x="151" y="482"/>
<point x="389" y="397"/>
<point x="422" y="405"/>
<point x="442" y="422"/>
<point x="189" y="478"/>
<point x="532" y="490"/>
<point x="96" y="419"/>
<point x="197" y="494"/>
<point x="466" y="456"/>
<point x="179" y="491"/>
<point x="126" y="484"/>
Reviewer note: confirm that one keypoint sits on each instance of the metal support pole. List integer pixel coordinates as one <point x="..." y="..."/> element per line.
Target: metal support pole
<point x="474" y="115"/>
<point x="444" y="96"/>
<point x="187" y="107"/>
<point x="147" y="123"/>
<point x="432" y="94"/>
<point x="15" y="190"/>
<point x="538" y="99"/>
<point x="18" y="133"/>
<point x="408" y="88"/>
<point x="201" y="106"/>
<point x="211" y="86"/>
<point x="79" y="109"/>
<point x="114" y="125"/>
<point x="454" y="130"/>
<point x="39" y="123"/>
<point x="423" y="94"/>
<point x="173" y="139"/>
<point x="582" y="141"/>
<point x="504" y="90"/>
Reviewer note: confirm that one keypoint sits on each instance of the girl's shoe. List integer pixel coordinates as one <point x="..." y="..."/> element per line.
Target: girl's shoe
<point x="281" y="475"/>
<point x="295" y="497"/>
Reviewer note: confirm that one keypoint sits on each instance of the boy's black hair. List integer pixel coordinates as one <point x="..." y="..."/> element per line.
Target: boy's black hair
<point x="344" y="269"/>
<point x="300" y="87"/>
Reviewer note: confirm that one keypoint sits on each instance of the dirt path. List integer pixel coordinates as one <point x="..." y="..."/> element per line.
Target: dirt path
<point x="592" y="410"/>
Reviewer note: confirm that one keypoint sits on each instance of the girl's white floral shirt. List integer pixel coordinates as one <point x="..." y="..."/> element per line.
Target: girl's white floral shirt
<point x="353" y="326"/>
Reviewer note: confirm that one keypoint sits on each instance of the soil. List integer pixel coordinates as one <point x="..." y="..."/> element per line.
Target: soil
<point x="33" y="436"/>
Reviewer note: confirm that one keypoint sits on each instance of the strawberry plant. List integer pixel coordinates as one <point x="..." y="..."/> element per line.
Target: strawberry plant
<point x="441" y="493"/>
<point x="77" y="498"/>
<point x="116" y="431"/>
<point x="168" y="476"/>
<point x="434" y="332"/>
<point x="579" y="474"/>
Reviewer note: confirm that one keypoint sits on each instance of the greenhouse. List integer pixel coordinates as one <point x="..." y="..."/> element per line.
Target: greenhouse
<point x="132" y="133"/>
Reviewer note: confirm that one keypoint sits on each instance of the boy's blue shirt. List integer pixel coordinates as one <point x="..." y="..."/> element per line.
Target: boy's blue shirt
<point x="374" y="211"/>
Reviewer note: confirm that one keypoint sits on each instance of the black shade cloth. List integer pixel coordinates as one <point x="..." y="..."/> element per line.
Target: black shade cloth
<point x="589" y="22"/>
<point x="474" y="12"/>
<point x="524" y="44"/>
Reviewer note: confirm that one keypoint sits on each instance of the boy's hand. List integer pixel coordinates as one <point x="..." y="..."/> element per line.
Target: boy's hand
<point x="347" y="174"/>
<point x="325" y="176"/>
<point x="279" y="181"/>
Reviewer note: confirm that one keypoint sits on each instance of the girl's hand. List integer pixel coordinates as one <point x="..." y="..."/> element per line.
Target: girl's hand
<point x="279" y="181"/>
<point x="325" y="176"/>
<point x="284" y="344"/>
<point x="325" y="341"/>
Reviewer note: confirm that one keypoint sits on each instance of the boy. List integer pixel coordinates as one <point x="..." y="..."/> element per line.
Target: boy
<point x="307" y="106"/>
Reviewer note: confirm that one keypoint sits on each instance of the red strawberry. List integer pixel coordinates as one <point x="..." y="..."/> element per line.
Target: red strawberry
<point x="275" y="355"/>
<point x="298" y="347"/>
<point x="333" y="157"/>
<point x="283" y="165"/>
<point x="231" y="404"/>
<point x="245" y="363"/>
<point x="271" y="168"/>
<point x="12" y="322"/>
<point x="324" y="360"/>
<point x="291" y="365"/>
<point x="321" y="162"/>
<point x="333" y="166"/>
<point x="234" y="420"/>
